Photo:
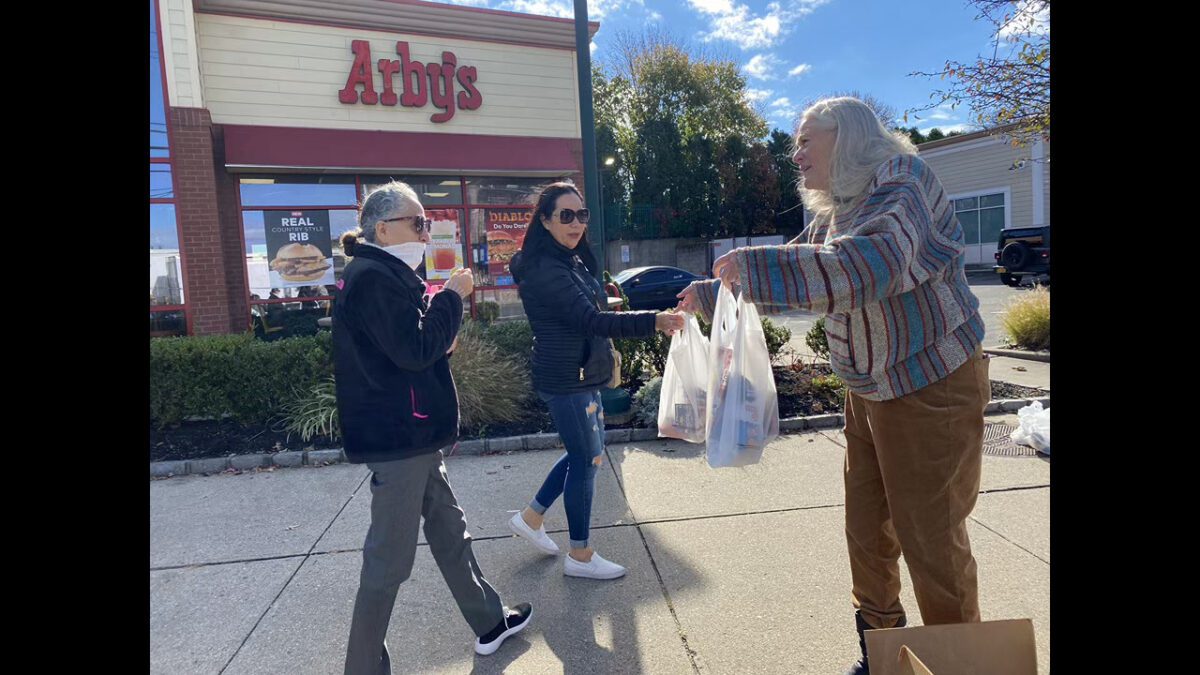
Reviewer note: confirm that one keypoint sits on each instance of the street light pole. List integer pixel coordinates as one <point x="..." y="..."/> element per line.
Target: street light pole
<point x="609" y="162"/>
<point x="587" y="126"/>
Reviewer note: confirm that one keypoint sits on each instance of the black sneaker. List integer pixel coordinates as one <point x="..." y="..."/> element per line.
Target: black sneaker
<point x="514" y="620"/>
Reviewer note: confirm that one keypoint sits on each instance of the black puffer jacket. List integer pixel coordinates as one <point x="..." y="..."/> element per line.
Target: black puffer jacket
<point x="395" y="395"/>
<point x="570" y="333"/>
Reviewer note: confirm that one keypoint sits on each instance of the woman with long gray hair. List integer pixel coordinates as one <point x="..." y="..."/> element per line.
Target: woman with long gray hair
<point x="883" y="259"/>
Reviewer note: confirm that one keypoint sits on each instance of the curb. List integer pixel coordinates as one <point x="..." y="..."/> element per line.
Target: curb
<point x="489" y="446"/>
<point x="1042" y="356"/>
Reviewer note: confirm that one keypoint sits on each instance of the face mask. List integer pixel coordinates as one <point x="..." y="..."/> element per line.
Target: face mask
<point x="412" y="253"/>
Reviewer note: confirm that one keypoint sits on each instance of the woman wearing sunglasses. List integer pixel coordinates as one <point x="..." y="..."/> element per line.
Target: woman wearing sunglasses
<point x="572" y="359"/>
<point x="398" y="408"/>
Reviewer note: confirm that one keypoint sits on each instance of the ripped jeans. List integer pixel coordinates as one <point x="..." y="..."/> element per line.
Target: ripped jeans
<point x="579" y="420"/>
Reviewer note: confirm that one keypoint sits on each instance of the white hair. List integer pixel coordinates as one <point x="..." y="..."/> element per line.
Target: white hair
<point x="861" y="144"/>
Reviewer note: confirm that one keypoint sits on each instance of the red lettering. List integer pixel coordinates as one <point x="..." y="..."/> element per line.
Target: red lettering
<point x="444" y="98"/>
<point x="415" y="95"/>
<point x="360" y="73"/>
<point x="387" y="69"/>
<point x="421" y="83"/>
<point x="470" y="99"/>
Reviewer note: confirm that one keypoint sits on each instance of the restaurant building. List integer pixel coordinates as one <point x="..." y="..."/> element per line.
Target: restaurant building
<point x="270" y="121"/>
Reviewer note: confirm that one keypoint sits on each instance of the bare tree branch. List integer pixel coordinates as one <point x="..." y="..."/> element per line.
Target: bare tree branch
<point x="1012" y="89"/>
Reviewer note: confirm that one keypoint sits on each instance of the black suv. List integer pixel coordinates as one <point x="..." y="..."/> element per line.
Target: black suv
<point x="1023" y="251"/>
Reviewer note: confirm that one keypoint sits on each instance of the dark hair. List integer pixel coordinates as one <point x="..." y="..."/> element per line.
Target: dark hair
<point x="350" y="241"/>
<point x="539" y="241"/>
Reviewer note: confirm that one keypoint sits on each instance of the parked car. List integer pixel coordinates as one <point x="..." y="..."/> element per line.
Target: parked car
<point x="1023" y="252"/>
<point x="654" y="287"/>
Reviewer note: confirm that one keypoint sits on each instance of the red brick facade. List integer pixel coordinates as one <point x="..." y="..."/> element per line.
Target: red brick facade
<point x="214" y="284"/>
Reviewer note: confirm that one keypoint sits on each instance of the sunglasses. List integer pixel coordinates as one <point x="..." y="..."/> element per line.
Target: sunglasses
<point x="420" y="222"/>
<point x="568" y="215"/>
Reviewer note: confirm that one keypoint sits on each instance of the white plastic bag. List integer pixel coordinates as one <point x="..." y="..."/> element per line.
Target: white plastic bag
<point x="743" y="409"/>
<point x="683" y="403"/>
<point x="1035" y="428"/>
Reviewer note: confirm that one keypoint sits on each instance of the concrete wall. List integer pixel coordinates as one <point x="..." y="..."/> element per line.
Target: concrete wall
<point x="687" y="254"/>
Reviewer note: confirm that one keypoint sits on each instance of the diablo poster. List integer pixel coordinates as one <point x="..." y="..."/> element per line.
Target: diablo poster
<point x="505" y="234"/>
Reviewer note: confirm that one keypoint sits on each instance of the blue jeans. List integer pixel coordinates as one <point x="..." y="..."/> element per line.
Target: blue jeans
<point x="579" y="419"/>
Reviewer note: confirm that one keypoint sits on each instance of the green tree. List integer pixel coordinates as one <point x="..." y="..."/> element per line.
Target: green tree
<point x="608" y="96"/>
<point x="759" y="194"/>
<point x="671" y="113"/>
<point x="790" y="217"/>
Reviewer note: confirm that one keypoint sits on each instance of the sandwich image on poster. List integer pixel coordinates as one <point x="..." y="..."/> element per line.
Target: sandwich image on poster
<point x="300" y="262"/>
<point x="299" y="248"/>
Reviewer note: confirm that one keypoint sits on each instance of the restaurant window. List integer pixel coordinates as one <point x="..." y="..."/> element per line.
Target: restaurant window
<point x="168" y="311"/>
<point x="431" y="190"/>
<point x="286" y="295"/>
<point x="294" y="260"/>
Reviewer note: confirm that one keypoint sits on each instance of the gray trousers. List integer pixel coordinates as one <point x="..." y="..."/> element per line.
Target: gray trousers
<point x="401" y="493"/>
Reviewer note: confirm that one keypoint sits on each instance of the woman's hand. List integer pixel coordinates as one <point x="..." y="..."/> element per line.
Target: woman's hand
<point x="461" y="281"/>
<point x="688" y="302"/>
<point x="725" y="269"/>
<point x="668" y="322"/>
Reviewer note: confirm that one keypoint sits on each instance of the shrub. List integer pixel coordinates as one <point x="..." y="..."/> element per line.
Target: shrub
<point x="487" y="311"/>
<point x="1027" y="320"/>
<point x="215" y="376"/>
<point x="632" y="358"/>
<point x="816" y="339"/>
<point x="829" y="385"/>
<point x="512" y="339"/>
<point x="777" y="337"/>
<point x="312" y="412"/>
<point x="491" y="388"/>
<point x="646" y="400"/>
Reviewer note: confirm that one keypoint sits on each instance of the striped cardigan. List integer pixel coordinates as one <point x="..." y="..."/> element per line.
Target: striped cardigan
<point x="888" y="273"/>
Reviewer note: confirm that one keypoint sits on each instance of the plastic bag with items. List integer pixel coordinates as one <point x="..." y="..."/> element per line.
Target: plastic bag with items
<point x="683" y="403"/>
<point x="1034" y="429"/>
<point x="743" y="409"/>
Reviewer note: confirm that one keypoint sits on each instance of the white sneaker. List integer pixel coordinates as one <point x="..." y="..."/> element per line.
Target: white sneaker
<point x="536" y="537"/>
<point x="597" y="568"/>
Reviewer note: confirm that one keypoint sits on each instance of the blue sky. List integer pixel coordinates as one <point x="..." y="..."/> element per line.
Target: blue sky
<point x="796" y="50"/>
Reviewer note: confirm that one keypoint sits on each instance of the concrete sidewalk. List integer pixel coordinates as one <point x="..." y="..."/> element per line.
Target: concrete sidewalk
<point x="730" y="571"/>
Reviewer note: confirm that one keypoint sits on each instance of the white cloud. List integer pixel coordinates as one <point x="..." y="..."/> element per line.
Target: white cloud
<point x="712" y="6"/>
<point x="560" y="8"/>
<point x="734" y="22"/>
<point x="1031" y="18"/>
<point x="762" y="66"/>
<point x="786" y="114"/>
<point x="597" y="9"/>
<point x="947" y="128"/>
<point x="782" y="103"/>
<point x="943" y="113"/>
<point x="800" y="70"/>
<point x="653" y="16"/>
<point x="755" y="95"/>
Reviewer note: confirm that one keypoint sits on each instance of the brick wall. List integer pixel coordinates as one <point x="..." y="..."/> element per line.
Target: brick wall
<point x="201" y="239"/>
